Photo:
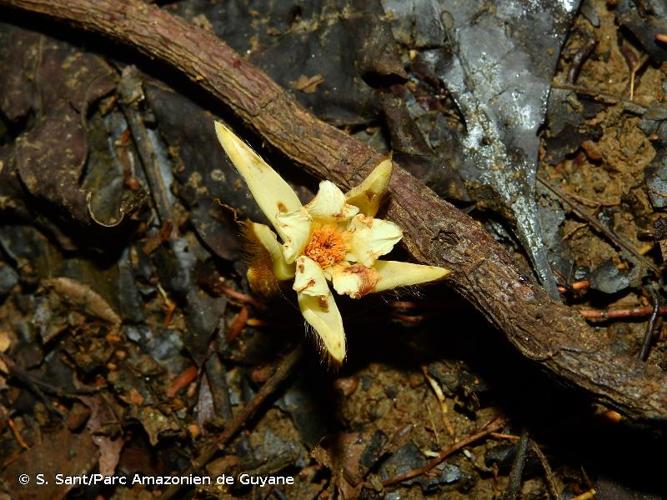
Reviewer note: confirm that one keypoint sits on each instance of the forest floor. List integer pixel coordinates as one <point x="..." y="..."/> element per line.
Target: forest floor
<point x="132" y="346"/>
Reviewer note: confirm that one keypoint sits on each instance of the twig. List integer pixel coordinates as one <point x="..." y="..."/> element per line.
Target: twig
<point x="580" y="58"/>
<point x="626" y="312"/>
<point x="217" y="376"/>
<point x="577" y="285"/>
<point x="635" y="63"/>
<point x="604" y="97"/>
<point x="17" y="435"/>
<point x="650" y="328"/>
<point x="237" y="325"/>
<point x="548" y="472"/>
<point x="131" y="95"/>
<point x="502" y="435"/>
<point x="440" y="396"/>
<point x="169" y="306"/>
<point x="489" y="428"/>
<point x="516" y="473"/>
<point x="241" y="297"/>
<point x="433" y="424"/>
<point x="282" y="372"/>
<point x="39" y="387"/>
<point x="435" y="232"/>
<point x="182" y="380"/>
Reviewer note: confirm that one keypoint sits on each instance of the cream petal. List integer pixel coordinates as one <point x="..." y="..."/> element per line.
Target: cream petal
<point x="371" y="238"/>
<point x="294" y="229"/>
<point x="269" y="240"/>
<point x="354" y="280"/>
<point x="273" y="195"/>
<point x="329" y="204"/>
<point x="323" y="315"/>
<point x="368" y="195"/>
<point x="393" y="274"/>
<point x="309" y="278"/>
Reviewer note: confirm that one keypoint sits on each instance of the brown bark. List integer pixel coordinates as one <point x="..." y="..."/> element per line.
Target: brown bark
<point x="543" y="330"/>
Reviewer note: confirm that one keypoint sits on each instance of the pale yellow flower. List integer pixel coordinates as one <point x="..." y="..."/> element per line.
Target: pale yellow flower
<point x="335" y="237"/>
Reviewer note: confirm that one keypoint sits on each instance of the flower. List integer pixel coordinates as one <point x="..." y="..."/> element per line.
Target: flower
<point x="335" y="237"/>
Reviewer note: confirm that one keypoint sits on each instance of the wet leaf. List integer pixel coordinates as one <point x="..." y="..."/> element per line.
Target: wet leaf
<point x="497" y="65"/>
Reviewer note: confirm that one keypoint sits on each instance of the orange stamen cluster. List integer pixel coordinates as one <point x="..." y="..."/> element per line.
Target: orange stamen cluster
<point x="326" y="246"/>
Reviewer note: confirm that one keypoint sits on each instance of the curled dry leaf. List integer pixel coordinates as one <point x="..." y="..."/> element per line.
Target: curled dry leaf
<point x="81" y="295"/>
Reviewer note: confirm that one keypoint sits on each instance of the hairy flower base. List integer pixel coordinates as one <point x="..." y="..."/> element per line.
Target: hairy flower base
<point x="335" y="237"/>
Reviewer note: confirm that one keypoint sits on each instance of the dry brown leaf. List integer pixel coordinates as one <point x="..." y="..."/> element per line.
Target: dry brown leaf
<point x="81" y="295"/>
<point x="307" y="84"/>
<point x="5" y="340"/>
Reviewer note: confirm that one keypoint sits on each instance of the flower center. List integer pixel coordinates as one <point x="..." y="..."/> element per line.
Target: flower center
<point x="326" y="246"/>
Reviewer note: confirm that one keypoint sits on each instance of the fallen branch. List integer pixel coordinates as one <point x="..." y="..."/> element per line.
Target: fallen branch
<point x="543" y="330"/>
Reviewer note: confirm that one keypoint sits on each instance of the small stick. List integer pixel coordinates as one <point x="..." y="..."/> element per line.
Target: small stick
<point x="440" y="396"/>
<point x="633" y="62"/>
<point x="492" y="426"/>
<point x="648" y="336"/>
<point x="131" y="95"/>
<point x="580" y="285"/>
<point x="241" y="297"/>
<point x="182" y="380"/>
<point x="516" y="473"/>
<point x="169" y="306"/>
<point x="502" y="435"/>
<point x="259" y="323"/>
<point x="577" y="285"/>
<point x="603" y="97"/>
<point x="17" y="434"/>
<point x="238" y="324"/>
<point x="629" y="312"/>
<point x="435" y="427"/>
<point x="548" y="472"/>
<point x="580" y="58"/>
<point x="283" y="371"/>
<point x="35" y="384"/>
<point x="217" y="377"/>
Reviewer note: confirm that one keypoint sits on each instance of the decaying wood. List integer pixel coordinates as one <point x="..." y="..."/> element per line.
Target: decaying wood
<point x="543" y="330"/>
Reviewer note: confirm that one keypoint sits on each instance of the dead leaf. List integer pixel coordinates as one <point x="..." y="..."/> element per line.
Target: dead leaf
<point x="109" y="453"/>
<point x="101" y="415"/>
<point x="80" y="294"/>
<point x="5" y="340"/>
<point x="61" y="452"/>
<point x="307" y="84"/>
<point x="155" y="423"/>
<point x="4" y="345"/>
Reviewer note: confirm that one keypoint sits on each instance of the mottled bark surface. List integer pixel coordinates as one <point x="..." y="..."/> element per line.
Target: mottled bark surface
<point x="543" y="330"/>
